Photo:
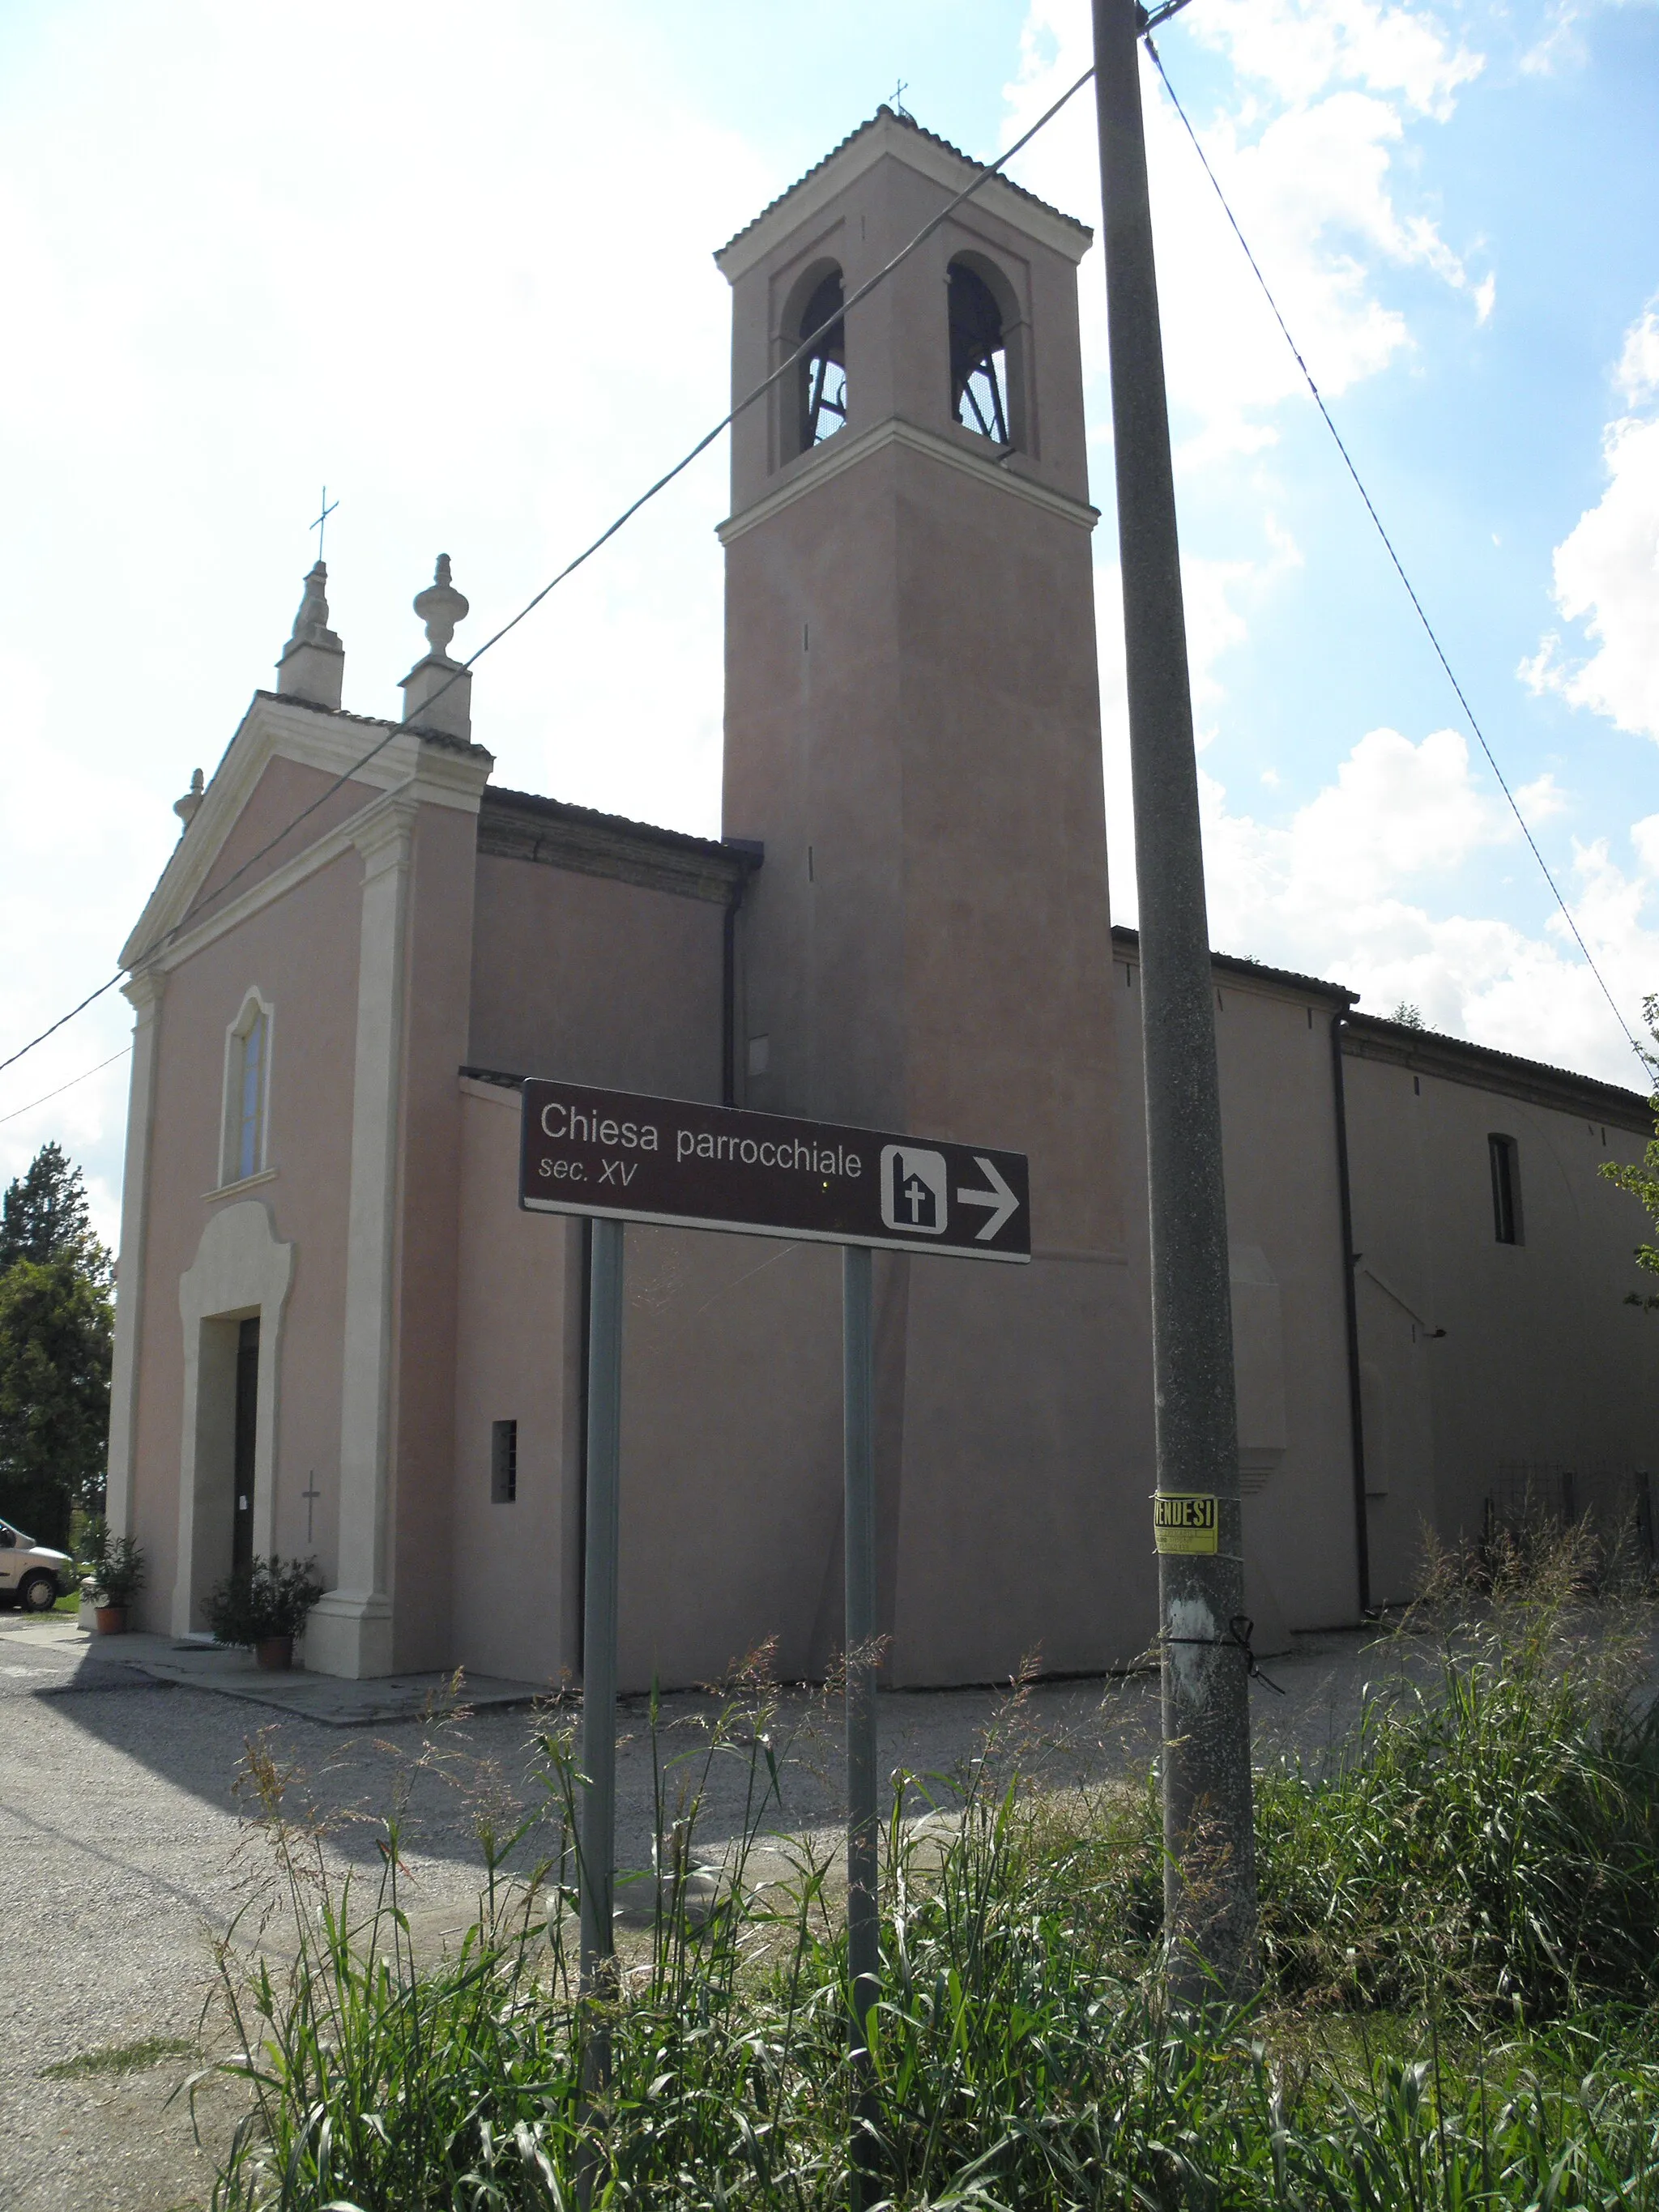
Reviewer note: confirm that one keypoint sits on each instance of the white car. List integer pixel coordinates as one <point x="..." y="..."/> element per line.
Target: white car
<point x="31" y="1575"/>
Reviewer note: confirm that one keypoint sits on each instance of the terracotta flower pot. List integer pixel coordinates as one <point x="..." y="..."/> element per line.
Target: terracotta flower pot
<point x="276" y="1652"/>
<point x="111" y="1620"/>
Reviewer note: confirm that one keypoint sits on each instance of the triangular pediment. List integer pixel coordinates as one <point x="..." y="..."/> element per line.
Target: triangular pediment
<point x="290" y="776"/>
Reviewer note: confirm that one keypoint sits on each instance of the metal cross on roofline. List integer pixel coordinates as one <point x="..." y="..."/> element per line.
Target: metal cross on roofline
<point x="322" y="518"/>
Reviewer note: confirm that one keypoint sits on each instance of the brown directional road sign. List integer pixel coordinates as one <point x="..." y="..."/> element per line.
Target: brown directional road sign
<point x="687" y="1166"/>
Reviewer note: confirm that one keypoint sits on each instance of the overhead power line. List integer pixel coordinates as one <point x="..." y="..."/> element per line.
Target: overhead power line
<point x="987" y="172"/>
<point x="18" y="1112"/>
<point x="1388" y="547"/>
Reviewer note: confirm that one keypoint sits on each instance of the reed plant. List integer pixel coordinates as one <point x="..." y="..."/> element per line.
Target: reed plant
<point x="1488" y="1837"/>
<point x="1459" y="2006"/>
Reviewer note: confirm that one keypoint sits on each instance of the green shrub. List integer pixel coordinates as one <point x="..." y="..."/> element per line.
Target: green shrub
<point x="1481" y="1855"/>
<point x="266" y="1598"/>
<point x="116" y="1564"/>
<point x="1490" y="1836"/>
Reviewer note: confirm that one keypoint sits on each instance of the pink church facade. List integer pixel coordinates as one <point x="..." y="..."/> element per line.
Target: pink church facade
<point x="338" y="1333"/>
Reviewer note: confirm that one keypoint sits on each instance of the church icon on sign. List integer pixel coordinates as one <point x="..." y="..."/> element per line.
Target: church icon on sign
<point x="913" y="1191"/>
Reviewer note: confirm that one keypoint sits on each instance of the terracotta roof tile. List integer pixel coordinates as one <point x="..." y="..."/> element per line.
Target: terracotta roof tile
<point x="907" y="123"/>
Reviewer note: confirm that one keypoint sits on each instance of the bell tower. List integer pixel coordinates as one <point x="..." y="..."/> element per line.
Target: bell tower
<point x="913" y="728"/>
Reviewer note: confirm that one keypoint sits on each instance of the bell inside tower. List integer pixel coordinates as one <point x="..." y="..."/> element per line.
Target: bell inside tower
<point x="823" y="370"/>
<point x="979" y="356"/>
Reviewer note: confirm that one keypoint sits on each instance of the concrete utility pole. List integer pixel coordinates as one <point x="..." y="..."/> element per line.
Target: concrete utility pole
<point x="1209" y="1883"/>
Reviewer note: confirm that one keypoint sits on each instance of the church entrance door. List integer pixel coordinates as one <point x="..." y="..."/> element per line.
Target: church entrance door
<point x="247" y="1415"/>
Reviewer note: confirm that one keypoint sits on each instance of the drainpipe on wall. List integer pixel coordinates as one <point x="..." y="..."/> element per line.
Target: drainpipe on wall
<point x="755" y="853"/>
<point x="584" y="1225"/>
<point x="1362" y="1544"/>
<point x="729" y="1002"/>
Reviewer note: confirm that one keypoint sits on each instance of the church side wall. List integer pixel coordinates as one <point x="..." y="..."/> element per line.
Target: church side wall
<point x="730" y="1474"/>
<point x="1279" y="1134"/>
<point x="730" y="1455"/>
<point x="515" y="1570"/>
<point x="595" y="980"/>
<point x="1024" y="1529"/>
<point x="1541" y="1364"/>
<point x="301" y="953"/>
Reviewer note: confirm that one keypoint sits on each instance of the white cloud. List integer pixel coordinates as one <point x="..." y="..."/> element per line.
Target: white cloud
<point x="1301" y="48"/>
<point x="1562" y="45"/>
<point x="1308" y="153"/>
<point x="79" y="849"/>
<point x="1637" y="374"/>
<point x="422" y="261"/>
<point x="1606" y="569"/>
<point x="1542" y="799"/>
<point x="1217" y="596"/>
<point x="1349" y="890"/>
<point x="1356" y="887"/>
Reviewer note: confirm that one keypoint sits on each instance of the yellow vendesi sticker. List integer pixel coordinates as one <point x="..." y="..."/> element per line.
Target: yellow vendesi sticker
<point x="1184" y="1521"/>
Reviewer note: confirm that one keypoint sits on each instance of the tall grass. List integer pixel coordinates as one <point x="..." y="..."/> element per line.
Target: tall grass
<point x="1460" y="1923"/>
<point x="1490" y="1836"/>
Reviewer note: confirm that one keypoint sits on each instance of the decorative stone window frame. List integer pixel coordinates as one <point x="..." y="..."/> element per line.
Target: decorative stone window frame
<point x="231" y="1176"/>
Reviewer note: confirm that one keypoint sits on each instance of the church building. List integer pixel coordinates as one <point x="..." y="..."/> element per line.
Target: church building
<point x="338" y="1335"/>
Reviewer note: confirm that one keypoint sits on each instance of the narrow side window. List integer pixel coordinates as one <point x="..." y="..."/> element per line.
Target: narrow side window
<point x="247" y="1091"/>
<point x="503" y="1462"/>
<point x="1505" y="1189"/>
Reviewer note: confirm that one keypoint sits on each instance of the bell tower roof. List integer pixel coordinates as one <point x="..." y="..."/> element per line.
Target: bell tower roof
<point x="888" y="132"/>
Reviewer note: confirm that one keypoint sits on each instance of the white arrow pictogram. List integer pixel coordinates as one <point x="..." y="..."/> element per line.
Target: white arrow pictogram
<point x="998" y="1196"/>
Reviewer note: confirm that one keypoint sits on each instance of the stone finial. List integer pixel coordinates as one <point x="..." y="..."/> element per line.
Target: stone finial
<point x="313" y="664"/>
<point x="440" y="607"/>
<point x="185" y="808"/>
<point x="438" y="691"/>
<point x="311" y="623"/>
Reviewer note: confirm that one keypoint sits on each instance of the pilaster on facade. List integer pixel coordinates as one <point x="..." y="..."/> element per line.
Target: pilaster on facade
<point x="143" y="990"/>
<point x="350" y="1630"/>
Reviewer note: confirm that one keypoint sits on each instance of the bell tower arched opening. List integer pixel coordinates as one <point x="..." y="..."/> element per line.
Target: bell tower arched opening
<point x="986" y="385"/>
<point x="820" y="407"/>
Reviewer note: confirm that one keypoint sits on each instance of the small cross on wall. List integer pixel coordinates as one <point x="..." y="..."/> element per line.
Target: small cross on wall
<point x="311" y="1497"/>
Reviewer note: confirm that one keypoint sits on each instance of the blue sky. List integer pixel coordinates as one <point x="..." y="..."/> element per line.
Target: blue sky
<point x="457" y="263"/>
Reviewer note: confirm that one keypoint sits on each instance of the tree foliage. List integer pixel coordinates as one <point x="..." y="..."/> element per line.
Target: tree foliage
<point x="57" y="1328"/>
<point x="1641" y="1178"/>
<point x="45" y="1216"/>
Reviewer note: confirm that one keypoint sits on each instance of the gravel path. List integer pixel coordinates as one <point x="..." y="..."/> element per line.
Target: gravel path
<point x="125" y="1850"/>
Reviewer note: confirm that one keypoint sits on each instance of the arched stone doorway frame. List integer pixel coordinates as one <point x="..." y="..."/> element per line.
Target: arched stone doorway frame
<point x="240" y="1270"/>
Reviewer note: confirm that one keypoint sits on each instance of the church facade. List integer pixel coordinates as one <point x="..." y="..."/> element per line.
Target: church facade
<point x="338" y="1335"/>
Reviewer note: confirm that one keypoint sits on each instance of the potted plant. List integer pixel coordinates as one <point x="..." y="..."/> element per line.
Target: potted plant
<point x="263" y="1607"/>
<point x="116" y="1571"/>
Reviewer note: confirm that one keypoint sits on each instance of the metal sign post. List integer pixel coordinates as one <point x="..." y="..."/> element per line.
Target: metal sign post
<point x="863" y="1902"/>
<point x="614" y="1156"/>
<point x="596" y="1832"/>
<point x="597" y="1849"/>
